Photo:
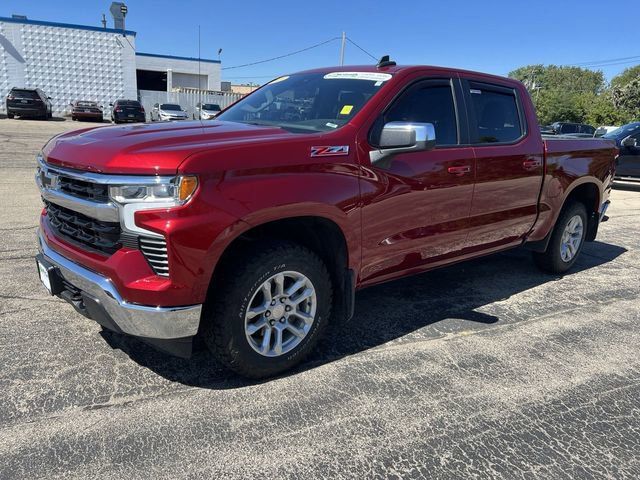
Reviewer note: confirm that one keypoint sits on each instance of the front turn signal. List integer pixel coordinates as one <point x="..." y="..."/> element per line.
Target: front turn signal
<point x="187" y="187"/>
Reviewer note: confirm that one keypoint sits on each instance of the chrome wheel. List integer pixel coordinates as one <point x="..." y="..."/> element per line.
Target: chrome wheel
<point x="280" y="314"/>
<point x="571" y="238"/>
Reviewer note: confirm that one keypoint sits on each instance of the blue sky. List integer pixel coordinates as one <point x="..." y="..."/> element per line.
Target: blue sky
<point x="490" y="36"/>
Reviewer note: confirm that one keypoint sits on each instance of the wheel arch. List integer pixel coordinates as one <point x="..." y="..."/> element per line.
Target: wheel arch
<point x="319" y="233"/>
<point x="589" y="193"/>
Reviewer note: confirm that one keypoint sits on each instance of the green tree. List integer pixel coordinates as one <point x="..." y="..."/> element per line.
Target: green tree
<point x="627" y="99"/>
<point x="622" y="80"/>
<point x="569" y="94"/>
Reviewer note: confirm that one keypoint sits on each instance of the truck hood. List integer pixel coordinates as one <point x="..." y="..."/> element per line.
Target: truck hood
<point x="147" y="149"/>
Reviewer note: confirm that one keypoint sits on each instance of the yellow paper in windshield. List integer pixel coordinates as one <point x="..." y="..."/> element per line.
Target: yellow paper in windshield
<point x="346" y="110"/>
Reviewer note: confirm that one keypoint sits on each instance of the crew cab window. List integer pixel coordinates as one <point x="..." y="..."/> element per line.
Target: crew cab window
<point x="427" y="103"/>
<point x="496" y="113"/>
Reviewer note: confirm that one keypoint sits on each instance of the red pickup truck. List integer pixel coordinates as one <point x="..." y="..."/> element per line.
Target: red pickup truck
<point x="255" y="229"/>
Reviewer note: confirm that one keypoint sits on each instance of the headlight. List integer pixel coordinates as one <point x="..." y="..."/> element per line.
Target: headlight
<point x="177" y="192"/>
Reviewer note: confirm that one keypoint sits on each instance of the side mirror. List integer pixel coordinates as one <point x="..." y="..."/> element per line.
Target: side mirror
<point x="629" y="142"/>
<point x="49" y="98"/>
<point x="403" y="137"/>
<point x="111" y="104"/>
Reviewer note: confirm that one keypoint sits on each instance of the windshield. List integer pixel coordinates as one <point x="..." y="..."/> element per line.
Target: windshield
<point x="211" y="106"/>
<point x="170" y="106"/>
<point x="311" y="102"/>
<point x="128" y="103"/>
<point x="622" y="131"/>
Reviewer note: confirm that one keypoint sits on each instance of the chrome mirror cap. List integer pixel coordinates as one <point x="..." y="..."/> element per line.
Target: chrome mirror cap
<point x="403" y="137"/>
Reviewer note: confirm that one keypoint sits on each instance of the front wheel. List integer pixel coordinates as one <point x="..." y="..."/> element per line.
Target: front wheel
<point x="566" y="240"/>
<point x="269" y="311"/>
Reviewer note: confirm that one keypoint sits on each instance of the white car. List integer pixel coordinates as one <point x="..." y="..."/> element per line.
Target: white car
<point x="600" y="131"/>
<point x="165" y="112"/>
<point x="208" y="111"/>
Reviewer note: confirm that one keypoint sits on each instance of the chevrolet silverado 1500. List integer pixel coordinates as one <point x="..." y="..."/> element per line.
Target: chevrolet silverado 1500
<point x="255" y="229"/>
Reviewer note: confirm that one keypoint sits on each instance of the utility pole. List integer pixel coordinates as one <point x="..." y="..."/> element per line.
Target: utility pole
<point x="344" y="39"/>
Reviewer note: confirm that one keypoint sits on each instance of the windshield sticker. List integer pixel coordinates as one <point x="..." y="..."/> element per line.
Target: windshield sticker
<point x="280" y="79"/>
<point x="330" y="151"/>
<point x="371" y="76"/>
<point x="346" y="110"/>
<point x="331" y="125"/>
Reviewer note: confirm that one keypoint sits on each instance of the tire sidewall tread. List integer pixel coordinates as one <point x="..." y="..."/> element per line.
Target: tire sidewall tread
<point x="224" y="329"/>
<point x="550" y="260"/>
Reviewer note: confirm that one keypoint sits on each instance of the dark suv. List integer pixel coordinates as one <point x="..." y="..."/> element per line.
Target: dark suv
<point x="127" y="111"/>
<point x="573" y="129"/>
<point x="28" y="102"/>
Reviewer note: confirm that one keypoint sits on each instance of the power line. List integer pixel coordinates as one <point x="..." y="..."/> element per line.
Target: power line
<point x="596" y="62"/>
<point x="358" y="46"/>
<point x="285" y="55"/>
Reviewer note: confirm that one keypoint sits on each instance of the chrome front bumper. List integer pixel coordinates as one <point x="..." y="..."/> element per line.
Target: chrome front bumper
<point x="139" y="320"/>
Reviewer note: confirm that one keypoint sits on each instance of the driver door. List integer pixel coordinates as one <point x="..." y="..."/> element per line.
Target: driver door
<point x="628" y="162"/>
<point x="416" y="207"/>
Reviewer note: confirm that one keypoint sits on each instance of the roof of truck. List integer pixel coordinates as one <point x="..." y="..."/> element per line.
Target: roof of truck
<point x="404" y="69"/>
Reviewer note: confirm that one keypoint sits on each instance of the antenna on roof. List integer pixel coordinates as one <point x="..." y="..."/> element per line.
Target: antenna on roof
<point x="385" y="62"/>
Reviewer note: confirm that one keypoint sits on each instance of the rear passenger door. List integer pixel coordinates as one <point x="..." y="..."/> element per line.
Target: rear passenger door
<point x="509" y="165"/>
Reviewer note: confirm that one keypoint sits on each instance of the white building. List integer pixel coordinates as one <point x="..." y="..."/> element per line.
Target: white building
<point x="80" y="62"/>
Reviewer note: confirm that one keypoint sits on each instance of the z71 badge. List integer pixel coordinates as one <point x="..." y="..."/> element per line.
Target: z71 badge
<point x="330" y="150"/>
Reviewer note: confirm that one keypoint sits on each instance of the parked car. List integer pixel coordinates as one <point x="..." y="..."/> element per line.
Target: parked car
<point x="567" y="128"/>
<point x="627" y="139"/>
<point x="207" y="111"/>
<point x="28" y="102"/>
<point x="164" y="112"/>
<point x="600" y="131"/>
<point x="126" y="111"/>
<point x="255" y="230"/>
<point x="86" y="110"/>
<point x="546" y="130"/>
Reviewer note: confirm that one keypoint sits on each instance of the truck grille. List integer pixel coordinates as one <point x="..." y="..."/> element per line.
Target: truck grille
<point x="89" y="232"/>
<point x="89" y="191"/>
<point x="155" y="251"/>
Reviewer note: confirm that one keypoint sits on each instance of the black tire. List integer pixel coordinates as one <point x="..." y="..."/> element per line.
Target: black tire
<point x="551" y="261"/>
<point x="224" y="317"/>
<point x="10" y="115"/>
<point x="73" y="118"/>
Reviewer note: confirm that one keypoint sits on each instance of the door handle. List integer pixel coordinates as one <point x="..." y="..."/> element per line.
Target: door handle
<point x="531" y="164"/>
<point x="459" y="171"/>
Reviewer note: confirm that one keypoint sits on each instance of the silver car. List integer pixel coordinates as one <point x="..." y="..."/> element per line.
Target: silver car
<point x="207" y="111"/>
<point x="165" y="112"/>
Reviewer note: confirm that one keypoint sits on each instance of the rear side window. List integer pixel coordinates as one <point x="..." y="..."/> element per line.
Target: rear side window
<point x="496" y="113"/>
<point x="24" y="93"/>
<point x="428" y="104"/>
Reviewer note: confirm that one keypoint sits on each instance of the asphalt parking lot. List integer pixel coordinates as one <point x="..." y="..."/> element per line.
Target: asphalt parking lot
<point x="483" y="369"/>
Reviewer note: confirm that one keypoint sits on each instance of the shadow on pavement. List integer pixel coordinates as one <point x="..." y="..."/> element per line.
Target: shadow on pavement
<point x="388" y="312"/>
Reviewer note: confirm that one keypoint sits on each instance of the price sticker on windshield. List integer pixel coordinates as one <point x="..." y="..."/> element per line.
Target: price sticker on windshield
<point x="371" y="76"/>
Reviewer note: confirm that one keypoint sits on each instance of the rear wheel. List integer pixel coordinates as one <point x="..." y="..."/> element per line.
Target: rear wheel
<point x="566" y="240"/>
<point x="269" y="311"/>
<point x="10" y="115"/>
